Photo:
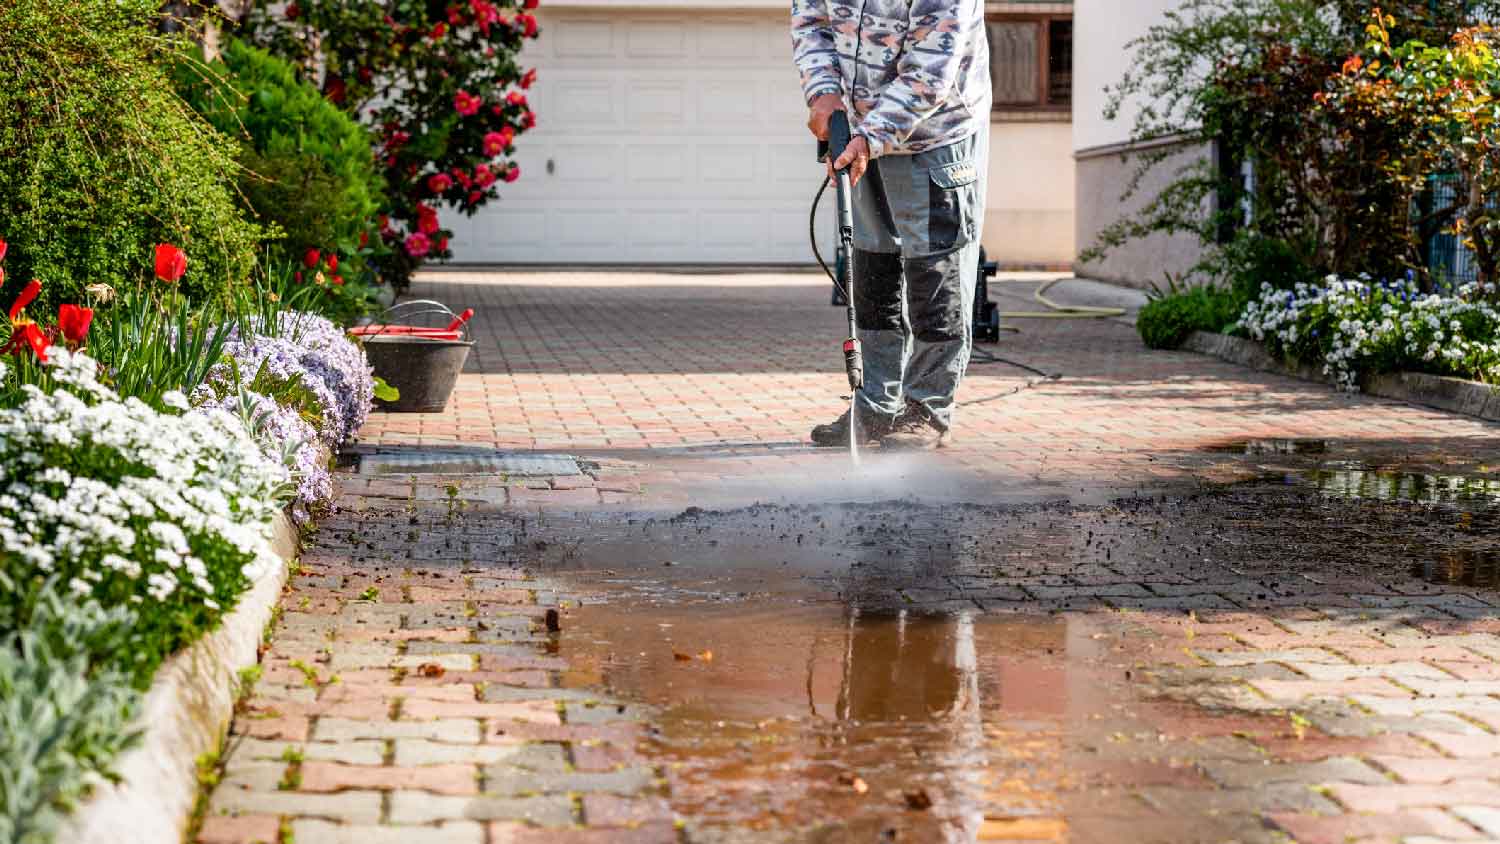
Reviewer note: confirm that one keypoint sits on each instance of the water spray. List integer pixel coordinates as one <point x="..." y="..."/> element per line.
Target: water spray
<point x="854" y="359"/>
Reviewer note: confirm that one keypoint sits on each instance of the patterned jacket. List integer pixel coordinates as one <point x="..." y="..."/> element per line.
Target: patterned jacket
<point x="915" y="74"/>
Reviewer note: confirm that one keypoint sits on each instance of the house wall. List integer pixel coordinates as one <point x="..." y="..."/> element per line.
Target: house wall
<point x="1029" y="210"/>
<point x="1102" y="29"/>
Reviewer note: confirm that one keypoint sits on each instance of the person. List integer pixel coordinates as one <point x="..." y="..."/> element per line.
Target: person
<point x="914" y="78"/>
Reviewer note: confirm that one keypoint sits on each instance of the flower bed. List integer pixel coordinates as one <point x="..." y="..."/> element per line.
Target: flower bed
<point x="1356" y="327"/>
<point x="133" y="519"/>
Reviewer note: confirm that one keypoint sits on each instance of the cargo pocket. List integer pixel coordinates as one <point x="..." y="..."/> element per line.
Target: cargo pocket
<point x="952" y="206"/>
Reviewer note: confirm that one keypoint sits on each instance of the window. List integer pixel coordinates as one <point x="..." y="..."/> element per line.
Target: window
<point x="1031" y="62"/>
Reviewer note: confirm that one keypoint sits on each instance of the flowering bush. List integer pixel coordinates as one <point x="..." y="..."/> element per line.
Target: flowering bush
<point x="166" y="513"/>
<point x="1357" y="326"/>
<point x="302" y="387"/>
<point x="438" y="84"/>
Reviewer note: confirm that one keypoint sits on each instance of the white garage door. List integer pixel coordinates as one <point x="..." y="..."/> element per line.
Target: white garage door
<point x="662" y="137"/>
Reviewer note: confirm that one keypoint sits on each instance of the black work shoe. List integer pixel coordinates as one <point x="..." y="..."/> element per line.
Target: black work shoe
<point x="836" y="433"/>
<point x="915" y="431"/>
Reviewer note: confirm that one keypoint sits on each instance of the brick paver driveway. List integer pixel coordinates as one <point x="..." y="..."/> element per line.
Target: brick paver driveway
<point x="1180" y="666"/>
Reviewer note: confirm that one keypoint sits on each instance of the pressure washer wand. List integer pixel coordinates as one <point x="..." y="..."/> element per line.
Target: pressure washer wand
<point x="854" y="358"/>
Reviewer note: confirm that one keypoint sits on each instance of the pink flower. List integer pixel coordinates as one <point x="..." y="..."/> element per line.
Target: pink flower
<point x="529" y="79"/>
<point x="530" y="4"/>
<point x="512" y="174"/>
<point x="417" y="245"/>
<point x="528" y="120"/>
<point x="427" y="220"/>
<point x="515" y="98"/>
<point x="494" y="144"/>
<point x="439" y="31"/>
<point x="475" y="196"/>
<point x="527" y="22"/>
<point x="439" y="183"/>
<point x="466" y="104"/>
<point x="484" y="176"/>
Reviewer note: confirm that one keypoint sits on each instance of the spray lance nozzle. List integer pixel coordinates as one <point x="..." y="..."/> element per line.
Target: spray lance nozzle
<point x="854" y="362"/>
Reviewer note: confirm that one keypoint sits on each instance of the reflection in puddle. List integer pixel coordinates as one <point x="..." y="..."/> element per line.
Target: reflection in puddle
<point x="1358" y="482"/>
<point x="1270" y="446"/>
<point x="1462" y="568"/>
<point x="829" y="724"/>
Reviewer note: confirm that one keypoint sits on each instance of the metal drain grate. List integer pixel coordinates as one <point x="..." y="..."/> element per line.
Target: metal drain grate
<point x="438" y="462"/>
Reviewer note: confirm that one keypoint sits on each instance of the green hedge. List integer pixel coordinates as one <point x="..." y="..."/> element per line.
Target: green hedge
<point x="100" y="160"/>
<point x="308" y="169"/>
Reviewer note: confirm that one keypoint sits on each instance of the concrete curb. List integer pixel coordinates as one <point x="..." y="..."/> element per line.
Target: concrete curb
<point x="186" y="713"/>
<point x="1454" y="395"/>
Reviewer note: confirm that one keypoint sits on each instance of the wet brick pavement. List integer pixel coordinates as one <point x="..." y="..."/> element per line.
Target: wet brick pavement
<point x="412" y="689"/>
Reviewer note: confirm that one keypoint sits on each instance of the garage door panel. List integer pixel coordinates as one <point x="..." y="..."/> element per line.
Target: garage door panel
<point x="730" y="40"/>
<point x="659" y="165"/>
<point x="730" y="165"/>
<point x="733" y="229"/>
<point x="729" y="103"/>
<point x="582" y="103"/>
<point x="656" y="103"/>
<point x="585" y="227"/>
<point x="657" y="228"/>
<point x="663" y="38"/>
<point x="796" y="164"/>
<point x="585" y="38"/>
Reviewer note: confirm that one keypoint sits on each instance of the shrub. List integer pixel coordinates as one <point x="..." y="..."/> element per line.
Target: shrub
<point x="63" y="717"/>
<point x="169" y="515"/>
<point x="438" y="83"/>
<point x="308" y="168"/>
<point x="1253" y="78"/>
<point x="1167" y="320"/>
<point x="99" y="160"/>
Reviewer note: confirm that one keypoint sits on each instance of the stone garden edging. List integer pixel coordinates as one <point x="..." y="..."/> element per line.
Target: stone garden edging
<point x="185" y="714"/>
<point x="1455" y="395"/>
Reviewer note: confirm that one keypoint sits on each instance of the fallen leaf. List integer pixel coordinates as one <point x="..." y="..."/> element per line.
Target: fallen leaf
<point x="431" y="669"/>
<point x="918" y="800"/>
<point x="854" y="781"/>
<point x="682" y="657"/>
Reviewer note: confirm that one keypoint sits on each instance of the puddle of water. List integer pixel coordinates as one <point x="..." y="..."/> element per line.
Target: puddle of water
<point x="814" y="671"/>
<point x="828" y="723"/>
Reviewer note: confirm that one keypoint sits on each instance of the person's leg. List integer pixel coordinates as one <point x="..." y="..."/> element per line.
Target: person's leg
<point x="879" y="315"/>
<point x="939" y="213"/>
<point x="878" y="304"/>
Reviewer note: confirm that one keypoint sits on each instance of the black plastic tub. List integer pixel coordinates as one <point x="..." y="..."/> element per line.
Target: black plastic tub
<point x="423" y="370"/>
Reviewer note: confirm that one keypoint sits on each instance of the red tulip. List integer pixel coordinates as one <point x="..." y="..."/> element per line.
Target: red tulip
<point x="24" y="333"/>
<point x="333" y="262"/>
<point x="311" y="258"/>
<point x="28" y="336"/>
<point x="338" y="280"/>
<point x="73" y="321"/>
<point x="28" y="295"/>
<point x="171" y="263"/>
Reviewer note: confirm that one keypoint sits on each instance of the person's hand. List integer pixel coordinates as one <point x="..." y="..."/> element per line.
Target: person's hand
<point x="856" y="157"/>
<point x="822" y="108"/>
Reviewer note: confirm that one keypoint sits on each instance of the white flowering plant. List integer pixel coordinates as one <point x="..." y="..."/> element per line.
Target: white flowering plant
<point x="1359" y="326"/>
<point x="164" y="512"/>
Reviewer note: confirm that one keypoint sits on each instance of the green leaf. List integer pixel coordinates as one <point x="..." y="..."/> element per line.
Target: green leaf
<point x="384" y="391"/>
